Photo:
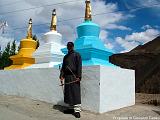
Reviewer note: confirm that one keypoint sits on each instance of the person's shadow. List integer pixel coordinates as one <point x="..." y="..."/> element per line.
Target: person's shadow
<point x="158" y="112"/>
<point x="59" y="107"/>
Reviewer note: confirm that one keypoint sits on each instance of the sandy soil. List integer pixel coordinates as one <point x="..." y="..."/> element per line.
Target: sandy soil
<point x="19" y="108"/>
<point x="147" y="98"/>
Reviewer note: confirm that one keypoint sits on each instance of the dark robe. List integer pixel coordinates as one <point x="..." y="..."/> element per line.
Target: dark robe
<point x="72" y="69"/>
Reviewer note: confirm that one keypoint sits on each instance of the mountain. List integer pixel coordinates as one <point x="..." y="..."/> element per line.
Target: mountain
<point x="145" y="60"/>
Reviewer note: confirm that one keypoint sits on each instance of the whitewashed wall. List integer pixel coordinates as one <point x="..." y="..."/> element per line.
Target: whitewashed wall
<point x="117" y="88"/>
<point x="103" y="88"/>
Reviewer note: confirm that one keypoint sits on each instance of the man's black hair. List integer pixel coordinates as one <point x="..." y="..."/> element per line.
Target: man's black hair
<point x="70" y="44"/>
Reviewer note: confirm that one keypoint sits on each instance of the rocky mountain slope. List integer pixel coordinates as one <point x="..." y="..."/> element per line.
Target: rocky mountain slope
<point x="145" y="60"/>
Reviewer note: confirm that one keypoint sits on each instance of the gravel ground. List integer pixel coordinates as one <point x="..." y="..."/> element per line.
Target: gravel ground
<point x="19" y="108"/>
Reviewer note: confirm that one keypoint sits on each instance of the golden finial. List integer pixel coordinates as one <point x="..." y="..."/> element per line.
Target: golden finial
<point x="54" y="21"/>
<point x="88" y="15"/>
<point x="29" y="30"/>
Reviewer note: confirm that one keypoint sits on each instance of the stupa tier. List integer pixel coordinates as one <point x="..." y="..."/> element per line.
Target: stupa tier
<point x="88" y="43"/>
<point x="27" y="47"/>
<point x="49" y="54"/>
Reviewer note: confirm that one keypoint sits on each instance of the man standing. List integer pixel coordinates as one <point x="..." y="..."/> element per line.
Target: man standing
<point x="71" y="72"/>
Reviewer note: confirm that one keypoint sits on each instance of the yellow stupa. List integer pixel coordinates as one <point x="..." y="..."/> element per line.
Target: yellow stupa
<point x="27" y="48"/>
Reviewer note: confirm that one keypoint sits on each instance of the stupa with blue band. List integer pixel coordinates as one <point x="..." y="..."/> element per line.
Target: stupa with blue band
<point x="88" y="43"/>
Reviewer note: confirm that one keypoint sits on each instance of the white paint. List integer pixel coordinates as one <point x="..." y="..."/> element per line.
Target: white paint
<point x="116" y="88"/>
<point x="49" y="53"/>
<point x="52" y="36"/>
<point x="90" y="88"/>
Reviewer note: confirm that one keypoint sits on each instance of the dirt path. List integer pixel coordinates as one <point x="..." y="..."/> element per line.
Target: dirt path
<point x="19" y="108"/>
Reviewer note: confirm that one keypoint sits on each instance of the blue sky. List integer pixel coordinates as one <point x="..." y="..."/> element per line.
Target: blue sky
<point x="146" y="16"/>
<point x="125" y="23"/>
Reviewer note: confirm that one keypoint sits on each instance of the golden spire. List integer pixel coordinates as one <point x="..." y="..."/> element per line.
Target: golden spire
<point x="54" y="21"/>
<point x="29" y="30"/>
<point x="88" y="15"/>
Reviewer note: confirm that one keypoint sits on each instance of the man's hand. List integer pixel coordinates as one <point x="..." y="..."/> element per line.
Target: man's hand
<point x="62" y="81"/>
<point x="61" y="78"/>
<point x="78" y="79"/>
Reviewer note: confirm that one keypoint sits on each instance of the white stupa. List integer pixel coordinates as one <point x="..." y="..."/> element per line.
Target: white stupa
<point x="49" y="54"/>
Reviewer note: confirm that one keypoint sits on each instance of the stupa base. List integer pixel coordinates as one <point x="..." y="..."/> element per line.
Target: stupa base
<point x="12" y="67"/>
<point x="103" y="88"/>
